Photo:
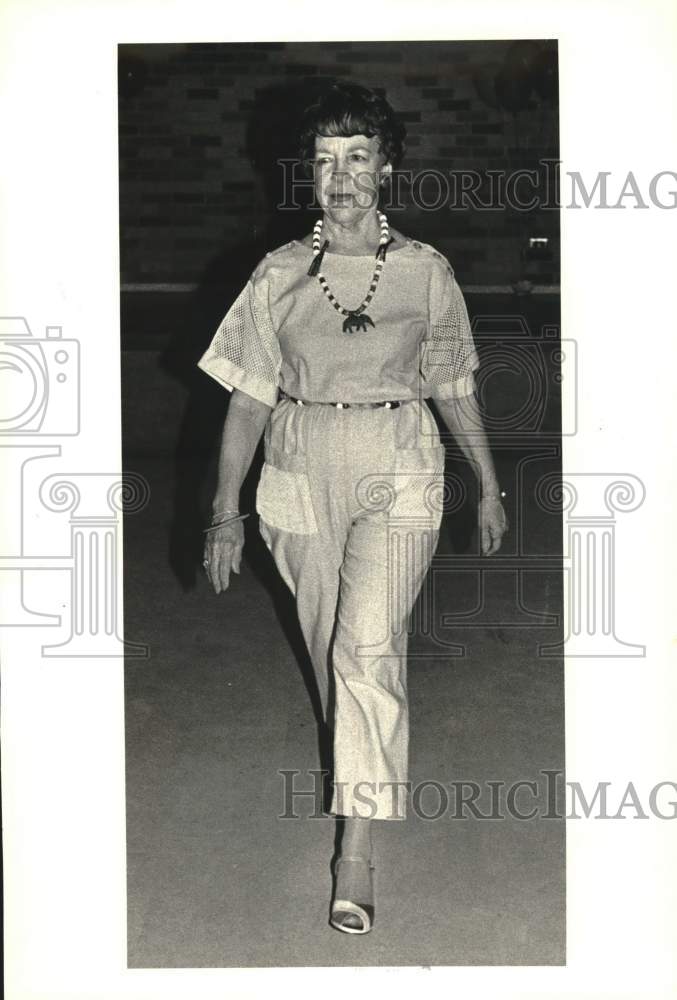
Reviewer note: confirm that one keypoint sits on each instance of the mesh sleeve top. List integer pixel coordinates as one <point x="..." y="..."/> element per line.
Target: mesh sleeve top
<point x="283" y="333"/>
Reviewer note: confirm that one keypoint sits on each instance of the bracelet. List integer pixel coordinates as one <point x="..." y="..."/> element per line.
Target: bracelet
<point x="493" y="496"/>
<point x="215" y="527"/>
<point x="235" y="510"/>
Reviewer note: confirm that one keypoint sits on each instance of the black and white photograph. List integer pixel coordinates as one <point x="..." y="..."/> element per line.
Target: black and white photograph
<point x="336" y="620"/>
<point x="359" y="625"/>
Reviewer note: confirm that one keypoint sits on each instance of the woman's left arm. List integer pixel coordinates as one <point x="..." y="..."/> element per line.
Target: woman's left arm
<point x="462" y="418"/>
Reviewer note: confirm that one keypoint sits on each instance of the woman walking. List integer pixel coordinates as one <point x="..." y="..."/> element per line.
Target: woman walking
<point x="330" y="351"/>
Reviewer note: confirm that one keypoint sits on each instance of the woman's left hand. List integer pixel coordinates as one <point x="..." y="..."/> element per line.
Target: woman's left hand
<point x="493" y="524"/>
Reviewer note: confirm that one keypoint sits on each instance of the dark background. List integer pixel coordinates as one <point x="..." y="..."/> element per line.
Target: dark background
<point x="201" y="127"/>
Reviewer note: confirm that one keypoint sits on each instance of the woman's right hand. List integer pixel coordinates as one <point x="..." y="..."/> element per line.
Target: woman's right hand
<point x="222" y="553"/>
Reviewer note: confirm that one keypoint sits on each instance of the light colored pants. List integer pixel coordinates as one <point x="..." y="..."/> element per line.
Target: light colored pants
<point x="350" y="505"/>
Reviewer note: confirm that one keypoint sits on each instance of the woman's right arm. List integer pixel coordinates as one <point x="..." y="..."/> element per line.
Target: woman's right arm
<point x="244" y="424"/>
<point x="242" y="430"/>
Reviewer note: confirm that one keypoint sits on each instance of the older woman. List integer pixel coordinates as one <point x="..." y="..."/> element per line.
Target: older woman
<point x="330" y="351"/>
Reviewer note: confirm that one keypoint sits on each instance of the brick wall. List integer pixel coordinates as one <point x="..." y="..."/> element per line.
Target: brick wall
<point x="201" y="127"/>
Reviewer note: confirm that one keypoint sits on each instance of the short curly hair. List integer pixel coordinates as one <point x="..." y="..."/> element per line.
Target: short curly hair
<point x="345" y="109"/>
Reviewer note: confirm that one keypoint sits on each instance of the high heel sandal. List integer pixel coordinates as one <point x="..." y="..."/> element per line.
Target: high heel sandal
<point x="344" y="909"/>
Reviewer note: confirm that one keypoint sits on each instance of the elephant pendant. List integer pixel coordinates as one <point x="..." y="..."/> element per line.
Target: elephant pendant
<point x="357" y="321"/>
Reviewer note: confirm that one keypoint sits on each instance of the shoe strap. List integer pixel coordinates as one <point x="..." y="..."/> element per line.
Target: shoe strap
<point x="347" y="906"/>
<point x="351" y="857"/>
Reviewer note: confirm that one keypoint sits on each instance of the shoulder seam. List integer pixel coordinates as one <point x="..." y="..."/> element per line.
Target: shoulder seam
<point x="285" y="246"/>
<point x="438" y="255"/>
<point x="260" y="269"/>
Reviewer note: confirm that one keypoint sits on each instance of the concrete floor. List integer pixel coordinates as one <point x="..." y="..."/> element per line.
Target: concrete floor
<point x="215" y="877"/>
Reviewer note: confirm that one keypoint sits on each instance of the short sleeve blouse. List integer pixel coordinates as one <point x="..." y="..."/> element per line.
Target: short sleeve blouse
<point x="245" y="351"/>
<point x="282" y="332"/>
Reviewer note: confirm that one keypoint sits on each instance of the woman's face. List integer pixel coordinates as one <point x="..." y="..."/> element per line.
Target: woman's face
<point x="348" y="170"/>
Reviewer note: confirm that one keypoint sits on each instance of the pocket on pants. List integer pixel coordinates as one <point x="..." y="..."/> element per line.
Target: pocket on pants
<point x="283" y="496"/>
<point x="418" y="483"/>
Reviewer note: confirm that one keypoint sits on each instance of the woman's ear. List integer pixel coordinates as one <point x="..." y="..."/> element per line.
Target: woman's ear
<point x="386" y="171"/>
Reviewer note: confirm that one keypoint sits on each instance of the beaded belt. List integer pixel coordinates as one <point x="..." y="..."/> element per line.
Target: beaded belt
<point x="389" y="404"/>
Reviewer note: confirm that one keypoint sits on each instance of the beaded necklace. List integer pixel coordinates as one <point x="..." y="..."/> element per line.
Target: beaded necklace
<point x="356" y="319"/>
